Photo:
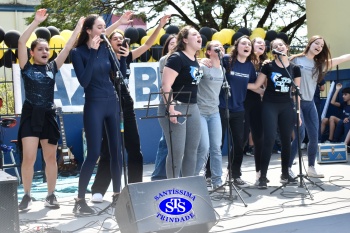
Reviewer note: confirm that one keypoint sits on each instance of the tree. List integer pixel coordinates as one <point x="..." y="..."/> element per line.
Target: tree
<point x="281" y="15"/>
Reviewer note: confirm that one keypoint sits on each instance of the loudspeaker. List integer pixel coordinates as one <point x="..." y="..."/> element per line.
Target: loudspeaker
<point x="166" y="206"/>
<point x="9" y="219"/>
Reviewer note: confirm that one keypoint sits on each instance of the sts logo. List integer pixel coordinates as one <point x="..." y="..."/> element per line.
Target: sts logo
<point x="175" y="205"/>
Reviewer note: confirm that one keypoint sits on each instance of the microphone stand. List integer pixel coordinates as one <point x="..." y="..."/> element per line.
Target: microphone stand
<point x="229" y="183"/>
<point x="301" y="176"/>
<point x="118" y="80"/>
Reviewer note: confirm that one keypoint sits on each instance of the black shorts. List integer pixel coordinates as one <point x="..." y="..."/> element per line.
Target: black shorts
<point x="48" y="131"/>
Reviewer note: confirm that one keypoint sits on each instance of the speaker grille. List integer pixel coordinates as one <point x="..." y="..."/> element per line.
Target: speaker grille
<point x="9" y="220"/>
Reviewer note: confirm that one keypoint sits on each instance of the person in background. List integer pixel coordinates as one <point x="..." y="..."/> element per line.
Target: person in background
<point x="317" y="99"/>
<point x="181" y="74"/>
<point x="131" y="134"/>
<point x="278" y="108"/>
<point x="253" y="109"/>
<point x="159" y="172"/>
<point x="38" y="126"/>
<point x="343" y="125"/>
<point x="93" y="65"/>
<point x="208" y="101"/>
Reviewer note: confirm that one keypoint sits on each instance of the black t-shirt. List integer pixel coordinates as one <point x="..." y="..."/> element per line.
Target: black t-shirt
<point x="39" y="83"/>
<point x="278" y="82"/>
<point x="188" y="77"/>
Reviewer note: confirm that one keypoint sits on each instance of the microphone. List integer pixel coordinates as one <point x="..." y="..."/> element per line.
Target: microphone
<point x="103" y="36"/>
<point x="274" y="51"/>
<point x="217" y="49"/>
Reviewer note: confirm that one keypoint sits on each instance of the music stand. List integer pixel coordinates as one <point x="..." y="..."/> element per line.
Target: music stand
<point x="167" y="115"/>
<point x="301" y="176"/>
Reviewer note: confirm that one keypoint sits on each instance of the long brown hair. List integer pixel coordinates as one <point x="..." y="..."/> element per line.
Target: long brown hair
<point x="234" y="52"/>
<point x="88" y="24"/>
<point x="183" y="34"/>
<point x="321" y="60"/>
<point x="262" y="57"/>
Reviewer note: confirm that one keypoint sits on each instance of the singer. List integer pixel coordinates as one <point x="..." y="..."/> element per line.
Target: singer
<point x="239" y="71"/>
<point x="181" y="73"/>
<point x="208" y="101"/>
<point x="314" y="61"/>
<point x="93" y="65"/>
<point x="277" y="108"/>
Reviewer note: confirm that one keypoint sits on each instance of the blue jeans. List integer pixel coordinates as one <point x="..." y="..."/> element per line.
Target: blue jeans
<point x="159" y="172"/>
<point x="309" y="117"/>
<point x="210" y="142"/>
<point x="341" y="130"/>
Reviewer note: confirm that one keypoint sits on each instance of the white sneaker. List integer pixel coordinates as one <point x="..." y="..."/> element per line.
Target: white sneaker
<point x="311" y="172"/>
<point x="97" y="198"/>
<point x="291" y="174"/>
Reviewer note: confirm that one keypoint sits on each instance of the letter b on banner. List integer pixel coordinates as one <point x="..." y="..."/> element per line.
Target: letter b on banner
<point x="144" y="79"/>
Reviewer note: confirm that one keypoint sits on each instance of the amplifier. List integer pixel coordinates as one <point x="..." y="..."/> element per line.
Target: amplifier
<point x="9" y="219"/>
<point x="332" y="153"/>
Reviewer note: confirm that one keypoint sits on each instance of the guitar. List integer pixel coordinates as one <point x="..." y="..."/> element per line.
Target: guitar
<point x="66" y="161"/>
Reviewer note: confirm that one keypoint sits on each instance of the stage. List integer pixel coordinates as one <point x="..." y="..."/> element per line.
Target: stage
<point x="287" y="210"/>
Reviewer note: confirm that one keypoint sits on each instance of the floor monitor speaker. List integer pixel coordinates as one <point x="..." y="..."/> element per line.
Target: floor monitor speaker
<point x="173" y="205"/>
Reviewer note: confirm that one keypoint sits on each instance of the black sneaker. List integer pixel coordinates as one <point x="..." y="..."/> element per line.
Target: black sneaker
<point x="250" y="151"/>
<point x="25" y="203"/>
<point x="51" y="202"/>
<point x="284" y="179"/>
<point x="82" y="208"/>
<point x="240" y="183"/>
<point x="262" y="183"/>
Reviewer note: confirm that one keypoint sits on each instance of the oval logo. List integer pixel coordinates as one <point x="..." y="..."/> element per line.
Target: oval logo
<point x="175" y="206"/>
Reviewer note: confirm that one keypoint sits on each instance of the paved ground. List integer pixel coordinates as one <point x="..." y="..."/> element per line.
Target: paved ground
<point x="290" y="209"/>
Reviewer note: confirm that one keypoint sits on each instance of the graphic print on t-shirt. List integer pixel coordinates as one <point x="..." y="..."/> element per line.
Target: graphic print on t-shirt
<point x="196" y="74"/>
<point x="281" y="83"/>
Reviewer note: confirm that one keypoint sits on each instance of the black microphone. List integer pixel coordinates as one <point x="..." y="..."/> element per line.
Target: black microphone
<point x="217" y="49"/>
<point x="103" y="36"/>
<point x="274" y="51"/>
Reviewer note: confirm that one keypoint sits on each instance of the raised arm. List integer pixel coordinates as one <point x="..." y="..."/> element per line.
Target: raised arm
<point x="69" y="45"/>
<point x="124" y="19"/>
<point x="338" y="60"/>
<point x="334" y="97"/>
<point x="149" y="42"/>
<point x="40" y="16"/>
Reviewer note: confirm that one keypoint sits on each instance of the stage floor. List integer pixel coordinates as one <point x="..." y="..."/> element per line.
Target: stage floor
<point x="286" y="210"/>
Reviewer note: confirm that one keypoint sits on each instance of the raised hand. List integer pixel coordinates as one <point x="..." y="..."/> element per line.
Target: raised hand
<point x="40" y="15"/>
<point x="164" y="20"/>
<point x="125" y="18"/>
<point x="80" y="23"/>
<point x="338" y="86"/>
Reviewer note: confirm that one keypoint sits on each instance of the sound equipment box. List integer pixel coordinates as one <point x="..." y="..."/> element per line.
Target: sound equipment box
<point x="9" y="219"/>
<point x="178" y="205"/>
<point x="332" y="153"/>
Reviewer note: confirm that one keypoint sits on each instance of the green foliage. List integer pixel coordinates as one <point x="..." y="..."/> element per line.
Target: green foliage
<point x="280" y="15"/>
<point x="6" y="93"/>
